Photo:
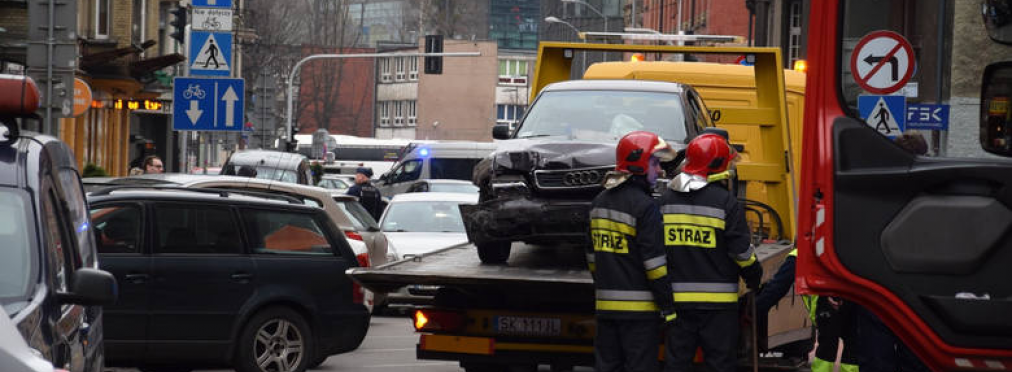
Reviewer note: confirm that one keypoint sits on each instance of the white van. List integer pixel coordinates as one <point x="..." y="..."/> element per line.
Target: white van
<point x="442" y="160"/>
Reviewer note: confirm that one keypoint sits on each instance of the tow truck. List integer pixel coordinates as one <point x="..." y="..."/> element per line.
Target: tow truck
<point x="538" y="308"/>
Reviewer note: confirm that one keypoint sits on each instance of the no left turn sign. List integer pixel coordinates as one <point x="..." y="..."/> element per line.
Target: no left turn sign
<point x="882" y="62"/>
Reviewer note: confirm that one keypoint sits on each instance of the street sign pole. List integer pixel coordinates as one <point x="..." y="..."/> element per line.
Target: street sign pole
<point x="295" y="69"/>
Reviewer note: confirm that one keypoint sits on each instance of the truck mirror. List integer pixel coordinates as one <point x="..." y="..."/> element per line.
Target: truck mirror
<point x="501" y="131"/>
<point x="996" y="95"/>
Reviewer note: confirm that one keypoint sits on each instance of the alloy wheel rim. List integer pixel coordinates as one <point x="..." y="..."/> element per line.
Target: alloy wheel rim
<point x="278" y="346"/>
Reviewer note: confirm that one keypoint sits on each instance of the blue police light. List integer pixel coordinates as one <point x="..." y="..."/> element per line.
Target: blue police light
<point x="424" y="152"/>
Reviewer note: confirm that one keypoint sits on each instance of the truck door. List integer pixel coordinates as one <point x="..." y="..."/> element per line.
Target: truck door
<point x="902" y="209"/>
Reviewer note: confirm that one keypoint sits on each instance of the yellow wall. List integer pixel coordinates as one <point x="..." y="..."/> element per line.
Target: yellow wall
<point x="100" y="137"/>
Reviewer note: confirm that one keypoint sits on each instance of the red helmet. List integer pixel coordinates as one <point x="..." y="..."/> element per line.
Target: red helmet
<point x="636" y="148"/>
<point x="708" y="154"/>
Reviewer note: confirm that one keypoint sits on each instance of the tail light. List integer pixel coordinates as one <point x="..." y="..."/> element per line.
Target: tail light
<point x="353" y="235"/>
<point x="357" y="292"/>
<point x="428" y="320"/>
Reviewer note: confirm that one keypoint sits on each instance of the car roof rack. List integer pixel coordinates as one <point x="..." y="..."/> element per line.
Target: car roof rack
<point x="219" y="191"/>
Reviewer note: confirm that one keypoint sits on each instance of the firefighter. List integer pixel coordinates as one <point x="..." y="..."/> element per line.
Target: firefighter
<point x="628" y="262"/>
<point x="709" y="247"/>
<point x="368" y="195"/>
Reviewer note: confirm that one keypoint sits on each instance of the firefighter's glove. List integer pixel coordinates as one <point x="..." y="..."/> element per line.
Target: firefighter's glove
<point x="753" y="275"/>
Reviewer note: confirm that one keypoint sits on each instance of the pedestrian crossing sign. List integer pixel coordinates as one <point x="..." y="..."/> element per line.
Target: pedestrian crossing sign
<point x="210" y="53"/>
<point x="885" y="114"/>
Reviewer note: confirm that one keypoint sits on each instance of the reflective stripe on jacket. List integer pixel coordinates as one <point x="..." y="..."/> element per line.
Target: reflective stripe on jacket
<point x="708" y="244"/>
<point x="628" y="259"/>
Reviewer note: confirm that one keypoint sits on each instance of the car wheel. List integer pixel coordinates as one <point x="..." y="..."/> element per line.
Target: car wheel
<point x="165" y="369"/>
<point x="318" y="361"/>
<point x="494" y="252"/>
<point x="275" y="340"/>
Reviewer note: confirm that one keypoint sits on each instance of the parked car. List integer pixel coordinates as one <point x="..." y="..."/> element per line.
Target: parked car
<point x="270" y="165"/>
<point x="15" y="355"/>
<point x="50" y="284"/>
<point x="418" y="223"/>
<point x="444" y="186"/>
<point x="340" y="182"/>
<point x="442" y="160"/>
<point x="344" y="210"/>
<point x="538" y="186"/>
<point x="207" y="273"/>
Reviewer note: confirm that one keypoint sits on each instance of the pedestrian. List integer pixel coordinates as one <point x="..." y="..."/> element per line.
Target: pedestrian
<point x="628" y="262"/>
<point x="153" y="165"/>
<point x="709" y="246"/>
<point x="368" y="195"/>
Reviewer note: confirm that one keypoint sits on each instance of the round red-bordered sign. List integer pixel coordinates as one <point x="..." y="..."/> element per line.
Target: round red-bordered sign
<point x="882" y="62"/>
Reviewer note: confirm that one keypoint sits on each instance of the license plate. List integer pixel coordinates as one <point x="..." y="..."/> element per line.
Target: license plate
<point x="519" y="325"/>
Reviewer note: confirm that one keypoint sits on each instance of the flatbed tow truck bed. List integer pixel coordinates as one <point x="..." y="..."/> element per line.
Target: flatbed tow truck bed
<point x="538" y="308"/>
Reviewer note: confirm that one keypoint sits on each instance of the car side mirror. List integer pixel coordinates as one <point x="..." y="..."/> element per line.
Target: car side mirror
<point x="91" y="287"/>
<point x="996" y="95"/>
<point x="501" y="131"/>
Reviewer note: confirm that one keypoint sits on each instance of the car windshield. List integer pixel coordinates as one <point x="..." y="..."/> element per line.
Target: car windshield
<point x="17" y="253"/>
<point x="423" y="216"/>
<point x="359" y="217"/>
<point x="604" y="115"/>
<point x="453" y="187"/>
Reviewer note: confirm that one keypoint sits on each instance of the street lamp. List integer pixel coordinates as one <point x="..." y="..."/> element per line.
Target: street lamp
<point x="553" y="19"/>
<point x="586" y="4"/>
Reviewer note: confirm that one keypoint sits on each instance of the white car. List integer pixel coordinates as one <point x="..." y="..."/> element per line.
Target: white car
<point x="419" y="223"/>
<point x="15" y="355"/>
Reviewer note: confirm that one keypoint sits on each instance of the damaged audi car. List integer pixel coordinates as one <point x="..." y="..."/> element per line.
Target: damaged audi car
<point x="538" y="185"/>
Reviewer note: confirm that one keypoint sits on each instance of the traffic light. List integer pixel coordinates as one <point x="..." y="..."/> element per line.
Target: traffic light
<point x="178" y="24"/>
<point x="433" y="44"/>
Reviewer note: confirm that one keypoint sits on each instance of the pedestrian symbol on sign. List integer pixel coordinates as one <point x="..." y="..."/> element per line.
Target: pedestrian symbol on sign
<point x="885" y="114"/>
<point x="210" y="54"/>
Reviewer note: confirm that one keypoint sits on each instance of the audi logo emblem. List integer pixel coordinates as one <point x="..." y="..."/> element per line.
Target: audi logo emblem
<point x="581" y="178"/>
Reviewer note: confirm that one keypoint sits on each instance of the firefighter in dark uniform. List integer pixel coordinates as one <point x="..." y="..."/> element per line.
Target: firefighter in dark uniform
<point x="368" y="195"/>
<point x="709" y="247"/>
<point x="628" y="262"/>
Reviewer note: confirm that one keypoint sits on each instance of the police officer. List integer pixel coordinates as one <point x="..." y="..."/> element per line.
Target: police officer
<point x="708" y="247"/>
<point x="628" y="261"/>
<point x="368" y="195"/>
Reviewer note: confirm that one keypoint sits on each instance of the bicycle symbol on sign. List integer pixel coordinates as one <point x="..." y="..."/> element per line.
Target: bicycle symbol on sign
<point x="211" y="23"/>
<point x="193" y="90"/>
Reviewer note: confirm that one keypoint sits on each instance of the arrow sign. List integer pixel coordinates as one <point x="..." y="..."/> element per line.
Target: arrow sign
<point x="870" y="56"/>
<point x="194" y="112"/>
<point x="208" y="104"/>
<point x="229" y="99"/>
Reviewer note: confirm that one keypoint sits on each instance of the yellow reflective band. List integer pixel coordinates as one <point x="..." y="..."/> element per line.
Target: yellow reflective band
<point x="689" y="235"/>
<point x="626" y="305"/>
<point x="609" y="241"/>
<point x="794" y="253"/>
<point x="694" y="220"/>
<point x="657" y="273"/>
<point x="747" y="262"/>
<point x="601" y="223"/>
<point x="705" y="297"/>
<point x="719" y="176"/>
<point x="593" y="266"/>
<point x="670" y="317"/>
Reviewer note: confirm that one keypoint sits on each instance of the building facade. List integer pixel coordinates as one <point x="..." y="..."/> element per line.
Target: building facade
<point x="460" y="103"/>
<point x="396" y="109"/>
<point x="336" y="94"/>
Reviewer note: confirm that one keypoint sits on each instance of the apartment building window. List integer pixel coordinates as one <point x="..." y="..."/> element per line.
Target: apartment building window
<point x="512" y="71"/>
<point x="384" y="67"/>
<point x="139" y="26"/>
<point x="794" y="42"/>
<point x="412" y="68"/>
<point x="103" y="15"/>
<point x="383" y="110"/>
<point x="398" y="113"/>
<point x="411" y="112"/>
<point x="509" y="114"/>
<point x="400" y="73"/>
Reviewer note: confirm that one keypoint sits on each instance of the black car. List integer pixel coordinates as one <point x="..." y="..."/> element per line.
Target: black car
<point x="538" y="185"/>
<point x="223" y="278"/>
<point x="50" y="284"/>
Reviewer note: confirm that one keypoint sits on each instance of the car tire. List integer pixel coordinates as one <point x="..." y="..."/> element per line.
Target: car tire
<point x="165" y="369"/>
<point x="494" y="252"/>
<point x="275" y="337"/>
<point x="318" y="361"/>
